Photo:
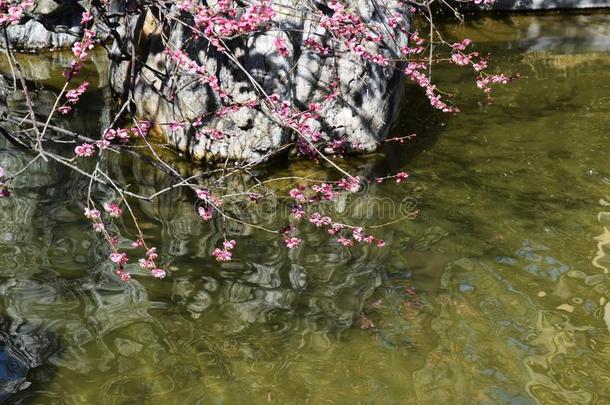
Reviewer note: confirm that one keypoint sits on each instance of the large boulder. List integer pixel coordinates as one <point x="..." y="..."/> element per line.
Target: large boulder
<point x="360" y="117"/>
<point x="49" y="25"/>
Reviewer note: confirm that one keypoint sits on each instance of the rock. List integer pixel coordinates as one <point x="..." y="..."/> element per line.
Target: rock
<point x="35" y="34"/>
<point x="361" y="116"/>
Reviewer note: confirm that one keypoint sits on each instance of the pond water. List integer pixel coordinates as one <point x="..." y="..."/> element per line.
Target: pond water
<point x="496" y="293"/>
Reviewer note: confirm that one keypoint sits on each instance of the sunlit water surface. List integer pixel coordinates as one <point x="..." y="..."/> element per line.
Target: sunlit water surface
<point x="495" y="294"/>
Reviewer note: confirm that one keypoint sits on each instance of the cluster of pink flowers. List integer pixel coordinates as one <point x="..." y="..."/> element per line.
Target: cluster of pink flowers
<point x="303" y="122"/>
<point x="292" y="242"/>
<point x="141" y="128"/>
<point x="80" y="50"/>
<point x="212" y="202"/>
<point x="354" y="33"/>
<point x="400" y="177"/>
<point x="190" y="66"/>
<point x="86" y="17"/>
<point x="206" y="213"/>
<point x="72" y="97"/>
<point x="351" y="184"/>
<point x="280" y="46"/>
<point x="148" y="262"/>
<point x="225" y="19"/>
<point x="224" y="254"/>
<point x="317" y="47"/>
<point x="234" y="107"/>
<point x="483" y="82"/>
<point x="113" y="209"/>
<point x="120" y="134"/>
<point x="85" y="150"/>
<point x="11" y="14"/>
<point x="211" y="133"/>
<point x="324" y="191"/>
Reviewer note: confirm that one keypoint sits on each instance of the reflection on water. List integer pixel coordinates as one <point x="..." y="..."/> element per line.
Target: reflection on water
<point x="498" y="293"/>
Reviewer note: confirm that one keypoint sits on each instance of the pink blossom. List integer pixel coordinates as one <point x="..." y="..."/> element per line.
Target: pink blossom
<point x="86" y="17"/>
<point x="325" y="189"/>
<point x="138" y="243"/>
<point x="292" y="242"/>
<point x="102" y="144"/>
<point x="151" y="254"/>
<point x="146" y="264"/>
<point x="297" y="195"/>
<point x="351" y="184"/>
<point x="141" y="128"/>
<point x="460" y="46"/>
<point x="335" y="228"/>
<point x="74" y="95"/>
<point x="174" y="126"/>
<point x="119" y="258"/>
<point x="206" y="213"/>
<point x="64" y="109"/>
<point x="345" y="242"/>
<point x="122" y="134"/>
<point x="480" y="65"/>
<point x="298" y="212"/>
<point x="158" y="273"/>
<point x="113" y="209"/>
<point x="229" y="244"/>
<point x="124" y="275"/>
<point x="92" y="214"/>
<point x="98" y="227"/>
<point x="401" y="176"/>
<point x="222" y="255"/>
<point x="380" y="243"/>
<point x="280" y="46"/>
<point x="109" y="134"/>
<point x="318" y="220"/>
<point x="85" y="150"/>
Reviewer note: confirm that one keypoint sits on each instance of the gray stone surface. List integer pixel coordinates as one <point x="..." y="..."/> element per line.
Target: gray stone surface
<point x="524" y="5"/>
<point x="33" y="35"/>
<point x="361" y="116"/>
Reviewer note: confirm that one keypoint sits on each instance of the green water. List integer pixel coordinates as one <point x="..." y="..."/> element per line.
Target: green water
<point x="495" y="294"/>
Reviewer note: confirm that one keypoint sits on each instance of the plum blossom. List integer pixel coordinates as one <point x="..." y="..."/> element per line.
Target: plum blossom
<point x="158" y="273"/>
<point x="351" y="184"/>
<point x="335" y="228"/>
<point x="146" y="263"/>
<point x="280" y="46"/>
<point x="86" y="17"/>
<point x="119" y="258"/>
<point x="123" y="275"/>
<point x="292" y="242"/>
<point x="325" y="190"/>
<point x="318" y="220"/>
<point x="85" y="150"/>
<point x="298" y="211"/>
<point x="225" y="254"/>
<point x="92" y="213"/>
<point x="113" y="209"/>
<point x="345" y="242"/>
<point x="401" y="176"/>
<point x="297" y="195"/>
<point x="222" y="255"/>
<point x="206" y="213"/>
